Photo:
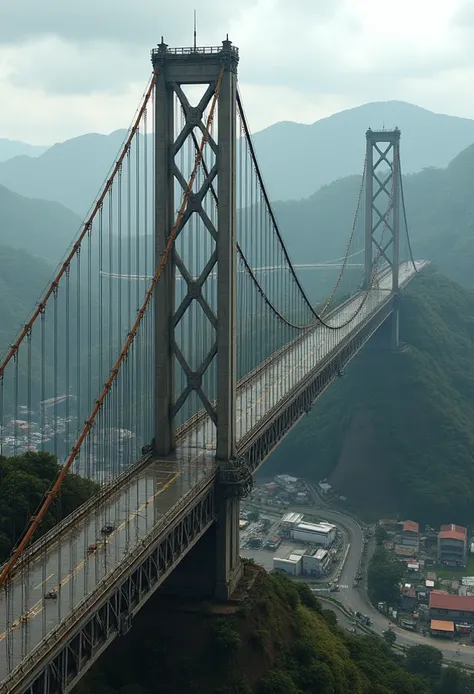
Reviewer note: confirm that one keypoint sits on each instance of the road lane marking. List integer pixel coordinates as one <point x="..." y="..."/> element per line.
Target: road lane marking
<point x="42" y="582"/>
<point x="38" y="606"/>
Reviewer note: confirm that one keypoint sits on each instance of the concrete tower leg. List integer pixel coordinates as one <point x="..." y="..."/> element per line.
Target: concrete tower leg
<point x="228" y="567"/>
<point x="165" y="290"/>
<point x="382" y="233"/>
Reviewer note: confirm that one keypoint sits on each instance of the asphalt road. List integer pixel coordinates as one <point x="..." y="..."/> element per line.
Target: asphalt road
<point x="356" y="600"/>
<point x="71" y="568"/>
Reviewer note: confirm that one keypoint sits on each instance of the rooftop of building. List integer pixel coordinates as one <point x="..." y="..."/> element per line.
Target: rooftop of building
<point x="292" y="517"/>
<point x="320" y="553"/>
<point x="410" y="526"/>
<point x="441" y="625"/>
<point x="451" y="535"/>
<point x="316" y="527"/>
<point x="444" y="601"/>
<point x="451" y="527"/>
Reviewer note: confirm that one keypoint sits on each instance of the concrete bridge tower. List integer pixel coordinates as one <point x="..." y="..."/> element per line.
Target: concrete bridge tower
<point x="175" y="69"/>
<point x="382" y="221"/>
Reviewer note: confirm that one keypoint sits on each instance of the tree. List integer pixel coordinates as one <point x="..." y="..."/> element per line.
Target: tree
<point x="24" y="479"/>
<point x="253" y="516"/>
<point x="384" y="576"/>
<point x="277" y="682"/>
<point x="389" y="637"/>
<point x="380" y="535"/>
<point x="424" y="660"/>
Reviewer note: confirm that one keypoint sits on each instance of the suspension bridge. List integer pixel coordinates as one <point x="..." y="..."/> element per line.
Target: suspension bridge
<point x="180" y="296"/>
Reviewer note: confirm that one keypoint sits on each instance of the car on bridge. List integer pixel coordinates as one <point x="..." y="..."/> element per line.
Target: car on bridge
<point x="108" y="529"/>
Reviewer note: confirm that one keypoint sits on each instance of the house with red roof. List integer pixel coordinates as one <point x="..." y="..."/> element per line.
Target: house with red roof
<point x="411" y="535"/>
<point x="452" y="545"/>
<point x="451" y="608"/>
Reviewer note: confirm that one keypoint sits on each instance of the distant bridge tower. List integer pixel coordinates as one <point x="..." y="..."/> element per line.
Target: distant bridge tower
<point x="382" y="210"/>
<point x="175" y="68"/>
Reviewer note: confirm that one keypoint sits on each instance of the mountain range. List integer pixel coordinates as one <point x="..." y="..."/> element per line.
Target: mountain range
<point x="14" y="148"/>
<point x="296" y="159"/>
<point x="42" y="228"/>
<point x="440" y="213"/>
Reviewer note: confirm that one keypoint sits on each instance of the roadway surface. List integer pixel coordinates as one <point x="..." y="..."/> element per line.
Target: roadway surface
<point x="73" y="565"/>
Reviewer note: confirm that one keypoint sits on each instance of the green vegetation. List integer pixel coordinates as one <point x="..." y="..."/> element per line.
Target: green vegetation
<point x="396" y="434"/>
<point x="278" y="641"/>
<point x="384" y="577"/>
<point x="389" y="636"/>
<point x="24" y="479"/>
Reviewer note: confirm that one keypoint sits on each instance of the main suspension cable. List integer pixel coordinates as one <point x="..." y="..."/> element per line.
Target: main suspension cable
<point x="402" y="194"/>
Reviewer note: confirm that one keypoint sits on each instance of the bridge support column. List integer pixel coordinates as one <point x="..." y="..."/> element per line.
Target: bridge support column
<point x="165" y="290"/>
<point x="234" y="482"/>
<point x="382" y="204"/>
<point x="228" y="566"/>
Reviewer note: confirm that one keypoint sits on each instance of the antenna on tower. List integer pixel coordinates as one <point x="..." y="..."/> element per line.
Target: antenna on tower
<point x="195" y="32"/>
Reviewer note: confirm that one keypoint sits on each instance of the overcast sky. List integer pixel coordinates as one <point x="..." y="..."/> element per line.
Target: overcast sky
<point x="67" y="68"/>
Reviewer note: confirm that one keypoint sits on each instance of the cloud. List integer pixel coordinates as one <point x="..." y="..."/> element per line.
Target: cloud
<point x="84" y="65"/>
<point x="59" y="67"/>
<point x="139" y="23"/>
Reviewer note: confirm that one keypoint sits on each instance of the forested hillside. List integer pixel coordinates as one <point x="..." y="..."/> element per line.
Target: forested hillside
<point x="277" y="641"/>
<point x="396" y="434"/>
<point x="24" y="479"/>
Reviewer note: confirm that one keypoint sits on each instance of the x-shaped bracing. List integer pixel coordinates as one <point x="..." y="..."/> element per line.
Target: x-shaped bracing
<point x="383" y="218"/>
<point x="194" y="377"/>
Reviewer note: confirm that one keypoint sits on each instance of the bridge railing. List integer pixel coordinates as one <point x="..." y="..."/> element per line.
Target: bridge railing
<point x="106" y="491"/>
<point x="64" y="630"/>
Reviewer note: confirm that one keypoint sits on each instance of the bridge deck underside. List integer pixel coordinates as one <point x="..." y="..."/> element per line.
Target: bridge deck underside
<point x="137" y="507"/>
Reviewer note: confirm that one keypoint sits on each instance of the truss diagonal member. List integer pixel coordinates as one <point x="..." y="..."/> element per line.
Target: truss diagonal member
<point x="193" y="115"/>
<point x="382" y="186"/>
<point x="383" y="249"/>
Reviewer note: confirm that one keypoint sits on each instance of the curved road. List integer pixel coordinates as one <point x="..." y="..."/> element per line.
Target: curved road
<point x="355" y="598"/>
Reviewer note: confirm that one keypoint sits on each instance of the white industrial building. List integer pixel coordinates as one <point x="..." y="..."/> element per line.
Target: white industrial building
<point x="291" y="566"/>
<point x="315" y="533"/>
<point x="315" y="564"/>
<point x="291" y="520"/>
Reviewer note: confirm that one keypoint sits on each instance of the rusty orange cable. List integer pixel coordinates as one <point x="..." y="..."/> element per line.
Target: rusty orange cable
<point x="53" y="491"/>
<point x="85" y="230"/>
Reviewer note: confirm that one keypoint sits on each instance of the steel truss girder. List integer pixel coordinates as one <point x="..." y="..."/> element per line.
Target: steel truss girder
<point x="382" y="228"/>
<point x="194" y="119"/>
<point x="256" y="449"/>
<point x="60" y="661"/>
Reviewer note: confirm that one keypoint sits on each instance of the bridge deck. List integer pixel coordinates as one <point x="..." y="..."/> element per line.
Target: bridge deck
<point x="140" y="503"/>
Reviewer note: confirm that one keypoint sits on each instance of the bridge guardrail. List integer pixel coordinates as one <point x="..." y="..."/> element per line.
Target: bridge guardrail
<point x="61" y="631"/>
<point x="246" y="441"/>
<point x="84" y="508"/>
